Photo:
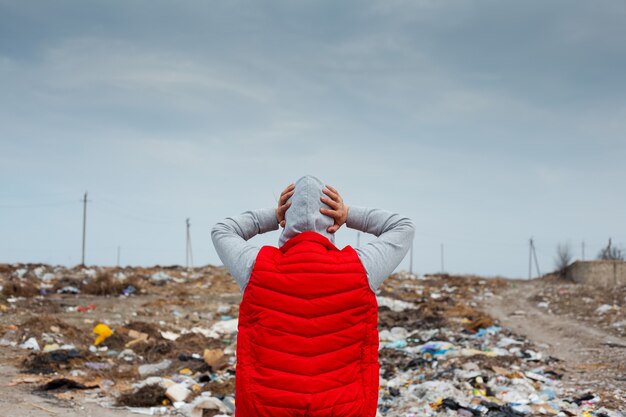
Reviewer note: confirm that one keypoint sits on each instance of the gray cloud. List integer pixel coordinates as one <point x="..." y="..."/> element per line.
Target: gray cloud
<point x="487" y="122"/>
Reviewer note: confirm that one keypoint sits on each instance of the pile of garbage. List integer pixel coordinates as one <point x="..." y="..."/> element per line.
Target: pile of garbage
<point x="440" y="354"/>
<point x="599" y="306"/>
<point x="162" y="341"/>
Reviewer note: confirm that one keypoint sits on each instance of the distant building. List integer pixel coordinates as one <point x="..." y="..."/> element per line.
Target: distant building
<point x="598" y="272"/>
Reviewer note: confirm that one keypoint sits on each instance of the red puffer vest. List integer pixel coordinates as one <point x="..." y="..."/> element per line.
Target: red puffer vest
<point x="307" y="344"/>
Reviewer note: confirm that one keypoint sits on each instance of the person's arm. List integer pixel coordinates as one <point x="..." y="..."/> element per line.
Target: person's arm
<point x="230" y="238"/>
<point x="394" y="234"/>
<point x="394" y="237"/>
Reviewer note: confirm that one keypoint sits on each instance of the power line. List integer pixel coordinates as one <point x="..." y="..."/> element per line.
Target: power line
<point x="34" y="205"/>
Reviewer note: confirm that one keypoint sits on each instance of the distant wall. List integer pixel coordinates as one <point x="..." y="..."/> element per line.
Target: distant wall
<point x="600" y="273"/>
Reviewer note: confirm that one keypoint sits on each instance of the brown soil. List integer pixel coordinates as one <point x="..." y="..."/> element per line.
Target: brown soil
<point x="592" y="356"/>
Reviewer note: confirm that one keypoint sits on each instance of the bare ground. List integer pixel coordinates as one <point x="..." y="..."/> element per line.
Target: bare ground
<point x="594" y="357"/>
<point x="19" y="401"/>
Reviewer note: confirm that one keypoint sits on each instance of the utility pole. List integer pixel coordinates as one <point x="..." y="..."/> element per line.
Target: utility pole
<point x="442" y="265"/>
<point x="118" y="256"/>
<point x="82" y="261"/>
<point x="536" y="260"/>
<point x="532" y="253"/>
<point x="189" y="255"/>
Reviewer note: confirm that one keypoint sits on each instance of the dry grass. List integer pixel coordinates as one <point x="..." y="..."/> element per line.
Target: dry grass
<point x="18" y="288"/>
<point x="105" y="284"/>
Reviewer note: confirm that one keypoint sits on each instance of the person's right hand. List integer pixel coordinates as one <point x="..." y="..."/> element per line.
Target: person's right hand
<point x="283" y="205"/>
<point x="338" y="211"/>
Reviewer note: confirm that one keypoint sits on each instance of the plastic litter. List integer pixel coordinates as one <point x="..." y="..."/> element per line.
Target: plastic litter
<point x="103" y="331"/>
<point x="177" y="393"/>
<point x="84" y="309"/>
<point x="31" y="344"/>
<point x="151" y="369"/>
<point x="129" y="290"/>
<point x="439" y="354"/>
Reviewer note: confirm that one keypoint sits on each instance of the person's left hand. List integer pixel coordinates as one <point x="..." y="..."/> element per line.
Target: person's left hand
<point x="283" y="205"/>
<point x="339" y="211"/>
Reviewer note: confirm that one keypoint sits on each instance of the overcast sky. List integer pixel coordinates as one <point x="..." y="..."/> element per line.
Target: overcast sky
<point x="486" y="122"/>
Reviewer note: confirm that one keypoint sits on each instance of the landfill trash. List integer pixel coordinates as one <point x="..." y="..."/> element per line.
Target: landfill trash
<point x="149" y="411"/>
<point x="146" y="396"/>
<point x="49" y="362"/>
<point x="393" y="304"/>
<point x="64" y="384"/>
<point x="213" y="357"/>
<point x="100" y="366"/>
<point x="396" y="344"/>
<point x="604" y="308"/>
<point x="129" y="290"/>
<point x="440" y="355"/>
<point x="30" y="344"/>
<point x="177" y="393"/>
<point x="160" y="277"/>
<point x="170" y="335"/>
<point x="103" y="331"/>
<point x="201" y="404"/>
<point x="84" y="309"/>
<point x="69" y="289"/>
<point x="51" y="347"/>
<point x="136" y="337"/>
<point x="154" y="368"/>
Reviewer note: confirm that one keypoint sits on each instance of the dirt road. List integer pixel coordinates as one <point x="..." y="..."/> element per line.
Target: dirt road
<point x="592" y="356"/>
<point x="19" y="401"/>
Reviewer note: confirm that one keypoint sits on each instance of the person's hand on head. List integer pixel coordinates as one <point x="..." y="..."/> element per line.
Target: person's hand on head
<point x="283" y="205"/>
<point x="338" y="209"/>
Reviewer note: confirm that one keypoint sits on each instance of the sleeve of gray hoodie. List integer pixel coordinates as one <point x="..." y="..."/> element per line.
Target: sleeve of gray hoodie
<point x="394" y="238"/>
<point x="230" y="238"/>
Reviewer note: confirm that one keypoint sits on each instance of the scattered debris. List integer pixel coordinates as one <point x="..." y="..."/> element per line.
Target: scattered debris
<point x="64" y="384"/>
<point x="165" y="343"/>
<point x="177" y="393"/>
<point x="146" y="396"/>
<point x="103" y="331"/>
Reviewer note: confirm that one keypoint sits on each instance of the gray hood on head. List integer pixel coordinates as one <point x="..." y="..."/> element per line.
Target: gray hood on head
<point x="304" y="213"/>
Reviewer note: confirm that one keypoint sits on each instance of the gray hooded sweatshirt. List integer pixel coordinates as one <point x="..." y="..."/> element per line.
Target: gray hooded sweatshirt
<point x="379" y="258"/>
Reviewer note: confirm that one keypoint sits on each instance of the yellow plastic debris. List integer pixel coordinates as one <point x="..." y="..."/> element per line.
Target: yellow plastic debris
<point x="436" y="404"/>
<point x="185" y="371"/>
<point x="103" y="331"/>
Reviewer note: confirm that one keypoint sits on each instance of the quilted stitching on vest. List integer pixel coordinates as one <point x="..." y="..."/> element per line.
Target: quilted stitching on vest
<point x="307" y="344"/>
